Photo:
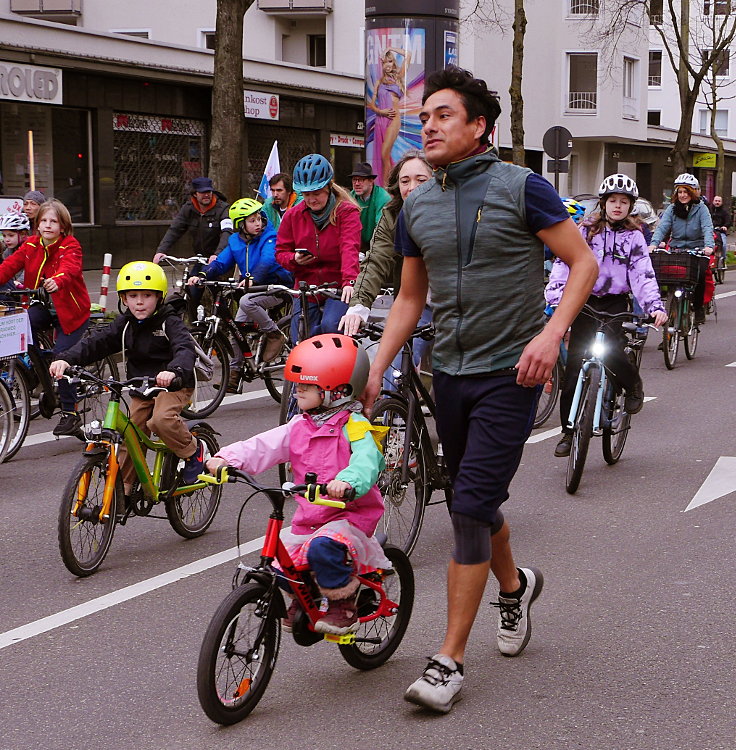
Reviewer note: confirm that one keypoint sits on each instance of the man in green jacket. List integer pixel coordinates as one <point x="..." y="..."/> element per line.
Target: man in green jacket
<point x="371" y="198"/>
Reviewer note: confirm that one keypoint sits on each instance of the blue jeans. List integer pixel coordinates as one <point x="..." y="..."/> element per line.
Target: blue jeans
<point x="41" y="319"/>
<point x="323" y="318"/>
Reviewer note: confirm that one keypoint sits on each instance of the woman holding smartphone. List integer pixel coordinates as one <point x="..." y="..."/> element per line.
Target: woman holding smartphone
<point x="319" y="240"/>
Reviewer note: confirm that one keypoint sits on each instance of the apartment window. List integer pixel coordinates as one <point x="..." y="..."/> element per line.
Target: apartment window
<point x="139" y="33"/>
<point x="583" y="81"/>
<point x="631" y="95"/>
<point x="654" y="117"/>
<point x="655" y="67"/>
<point x="207" y="39"/>
<point x="583" y="7"/>
<point x="721" y="122"/>
<point x="719" y="7"/>
<point x="317" y="50"/>
<point x="722" y="63"/>
<point x="656" y="12"/>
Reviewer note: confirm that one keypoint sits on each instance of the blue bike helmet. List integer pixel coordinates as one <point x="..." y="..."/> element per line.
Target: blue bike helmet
<point x="312" y="172"/>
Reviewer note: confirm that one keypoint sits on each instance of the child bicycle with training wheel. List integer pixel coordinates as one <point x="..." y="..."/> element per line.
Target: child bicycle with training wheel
<point x="330" y="563"/>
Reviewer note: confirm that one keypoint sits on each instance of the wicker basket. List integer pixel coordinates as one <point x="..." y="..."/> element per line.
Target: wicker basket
<point x="677" y="268"/>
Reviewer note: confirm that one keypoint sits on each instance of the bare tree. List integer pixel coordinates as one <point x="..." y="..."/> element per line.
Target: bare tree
<point x="694" y="43"/>
<point x="228" y="111"/>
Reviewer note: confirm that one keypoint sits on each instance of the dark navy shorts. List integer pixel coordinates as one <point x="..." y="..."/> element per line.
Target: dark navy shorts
<point x="483" y="423"/>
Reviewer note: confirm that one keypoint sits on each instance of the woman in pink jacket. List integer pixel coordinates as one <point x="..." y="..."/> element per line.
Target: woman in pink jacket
<point x="333" y="439"/>
<point x="319" y="240"/>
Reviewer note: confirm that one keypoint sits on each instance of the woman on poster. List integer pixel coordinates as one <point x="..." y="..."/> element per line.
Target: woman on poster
<point x="390" y="90"/>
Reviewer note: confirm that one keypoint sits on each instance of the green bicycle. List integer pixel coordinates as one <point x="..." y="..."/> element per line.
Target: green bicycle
<point x="93" y="502"/>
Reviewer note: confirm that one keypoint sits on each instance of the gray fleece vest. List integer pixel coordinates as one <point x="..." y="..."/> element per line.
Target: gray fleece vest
<point x="485" y="266"/>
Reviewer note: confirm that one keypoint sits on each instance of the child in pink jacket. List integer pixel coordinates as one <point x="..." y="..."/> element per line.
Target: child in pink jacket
<point x="331" y="438"/>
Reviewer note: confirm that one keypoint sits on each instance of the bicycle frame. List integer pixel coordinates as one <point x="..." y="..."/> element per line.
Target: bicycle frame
<point x="588" y="364"/>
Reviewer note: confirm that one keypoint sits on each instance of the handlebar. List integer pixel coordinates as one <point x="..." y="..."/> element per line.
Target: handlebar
<point x="145" y="385"/>
<point x="373" y="331"/>
<point x="39" y="293"/>
<point x="604" y="317"/>
<point x="311" y="490"/>
<point x="194" y="259"/>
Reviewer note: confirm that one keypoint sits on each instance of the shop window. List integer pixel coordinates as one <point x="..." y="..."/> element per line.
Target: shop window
<point x="155" y="160"/>
<point x="60" y="138"/>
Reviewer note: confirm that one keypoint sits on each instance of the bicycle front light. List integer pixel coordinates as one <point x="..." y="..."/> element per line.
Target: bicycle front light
<point x="678" y="293"/>
<point x="598" y="349"/>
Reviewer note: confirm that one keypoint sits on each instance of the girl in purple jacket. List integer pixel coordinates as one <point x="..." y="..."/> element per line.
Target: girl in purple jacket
<point x="625" y="267"/>
<point x="333" y="439"/>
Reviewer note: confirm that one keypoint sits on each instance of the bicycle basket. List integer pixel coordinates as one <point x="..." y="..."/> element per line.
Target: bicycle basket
<point x="676" y="268"/>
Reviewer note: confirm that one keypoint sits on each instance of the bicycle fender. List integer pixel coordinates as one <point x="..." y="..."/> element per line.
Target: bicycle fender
<point x="200" y="426"/>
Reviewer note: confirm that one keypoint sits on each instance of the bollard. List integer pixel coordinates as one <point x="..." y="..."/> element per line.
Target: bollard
<point x="105" y="280"/>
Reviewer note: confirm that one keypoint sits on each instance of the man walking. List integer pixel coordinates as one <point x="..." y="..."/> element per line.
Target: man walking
<point x="475" y="235"/>
<point x="371" y="199"/>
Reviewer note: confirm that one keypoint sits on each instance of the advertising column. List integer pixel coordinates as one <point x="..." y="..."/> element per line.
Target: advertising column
<point x="404" y="41"/>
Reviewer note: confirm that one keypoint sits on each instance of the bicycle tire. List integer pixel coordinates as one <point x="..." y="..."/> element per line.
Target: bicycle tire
<point x="671" y="332"/>
<point x="230" y="679"/>
<point x="190" y="515"/>
<point x="15" y="378"/>
<point x="404" y="506"/>
<point x="93" y="537"/>
<point x="548" y="398"/>
<point x="43" y="341"/>
<point x="690" y="338"/>
<point x="274" y="379"/>
<point x="582" y="431"/>
<point x="288" y="409"/>
<point x="615" y="434"/>
<point x="208" y="394"/>
<point x="6" y="419"/>
<point x="365" y="653"/>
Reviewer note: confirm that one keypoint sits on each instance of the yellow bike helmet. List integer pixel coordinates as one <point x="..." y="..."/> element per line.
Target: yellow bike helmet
<point x="242" y="209"/>
<point x="140" y="275"/>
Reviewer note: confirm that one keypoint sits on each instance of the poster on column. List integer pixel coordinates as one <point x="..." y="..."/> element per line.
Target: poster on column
<point x="393" y="95"/>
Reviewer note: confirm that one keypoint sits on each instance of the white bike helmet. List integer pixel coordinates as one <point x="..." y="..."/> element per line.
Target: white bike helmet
<point x="618" y="183"/>
<point x="687" y="179"/>
<point x="15" y="222"/>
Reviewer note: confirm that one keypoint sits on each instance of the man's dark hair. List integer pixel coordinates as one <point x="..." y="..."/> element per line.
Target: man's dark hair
<point x="282" y="177"/>
<point x="478" y="100"/>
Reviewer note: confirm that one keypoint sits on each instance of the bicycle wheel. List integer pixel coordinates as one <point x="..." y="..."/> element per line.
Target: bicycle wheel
<point x="14" y="376"/>
<point x="617" y="430"/>
<point x="208" y="394"/>
<point x="376" y="640"/>
<point x="671" y="332"/>
<point x="85" y="538"/>
<point x="190" y="515"/>
<point x="289" y="408"/>
<point x="93" y="397"/>
<point x="690" y="336"/>
<point x="238" y="655"/>
<point x="274" y="378"/>
<point x="582" y="431"/>
<point x="6" y="419"/>
<point x="404" y="504"/>
<point x="44" y="342"/>
<point x="548" y="396"/>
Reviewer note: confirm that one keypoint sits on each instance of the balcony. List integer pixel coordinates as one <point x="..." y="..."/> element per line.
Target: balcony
<point x="296" y="7"/>
<point x="47" y="8"/>
<point x="582" y="101"/>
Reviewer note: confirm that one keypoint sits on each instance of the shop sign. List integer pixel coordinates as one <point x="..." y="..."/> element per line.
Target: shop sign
<point x="261" y="106"/>
<point x="705" y="160"/>
<point x="353" y="141"/>
<point x="29" y="83"/>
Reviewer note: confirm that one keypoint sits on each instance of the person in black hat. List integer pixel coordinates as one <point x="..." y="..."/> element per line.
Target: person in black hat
<point x="371" y="199"/>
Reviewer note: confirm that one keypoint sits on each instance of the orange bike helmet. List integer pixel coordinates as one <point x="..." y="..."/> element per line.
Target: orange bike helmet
<point x="337" y="364"/>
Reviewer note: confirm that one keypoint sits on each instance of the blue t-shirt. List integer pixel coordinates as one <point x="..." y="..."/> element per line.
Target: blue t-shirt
<point x="543" y="209"/>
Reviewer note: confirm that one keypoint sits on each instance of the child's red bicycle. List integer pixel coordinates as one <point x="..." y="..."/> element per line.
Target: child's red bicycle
<point x="240" y="647"/>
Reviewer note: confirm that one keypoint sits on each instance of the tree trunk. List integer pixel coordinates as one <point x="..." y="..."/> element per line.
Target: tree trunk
<point x="228" y="111"/>
<point x="688" y="95"/>
<point x="517" y="100"/>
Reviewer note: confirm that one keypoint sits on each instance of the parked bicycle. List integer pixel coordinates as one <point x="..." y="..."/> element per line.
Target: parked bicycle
<point x="677" y="274"/>
<point x="241" y="645"/>
<point x="214" y="334"/>
<point x="93" y="501"/>
<point x="598" y="406"/>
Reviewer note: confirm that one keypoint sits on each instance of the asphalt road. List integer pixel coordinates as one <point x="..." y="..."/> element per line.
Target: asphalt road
<point x="633" y="643"/>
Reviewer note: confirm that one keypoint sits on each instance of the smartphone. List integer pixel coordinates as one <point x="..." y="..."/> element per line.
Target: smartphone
<point x="303" y="251"/>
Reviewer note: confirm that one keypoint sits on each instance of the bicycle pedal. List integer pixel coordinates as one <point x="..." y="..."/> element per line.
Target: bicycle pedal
<point x="342" y="640"/>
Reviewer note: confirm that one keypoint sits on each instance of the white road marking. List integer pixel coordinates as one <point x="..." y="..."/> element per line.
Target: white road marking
<point x="720" y="482"/>
<point x="123" y="595"/>
<point x="733" y="364"/>
<point x="725" y="294"/>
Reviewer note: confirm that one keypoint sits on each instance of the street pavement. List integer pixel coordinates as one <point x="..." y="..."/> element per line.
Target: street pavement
<point x="632" y="644"/>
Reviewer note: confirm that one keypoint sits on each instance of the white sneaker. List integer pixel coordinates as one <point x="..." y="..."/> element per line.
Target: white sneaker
<point x="439" y="687"/>
<point x="514" y="623"/>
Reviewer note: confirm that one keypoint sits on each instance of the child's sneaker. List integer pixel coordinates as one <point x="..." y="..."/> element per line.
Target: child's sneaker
<point x="439" y="687"/>
<point x="69" y="424"/>
<point x="341" y="617"/>
<point x="287" y="624"/>
<point x="194" y="465"/>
